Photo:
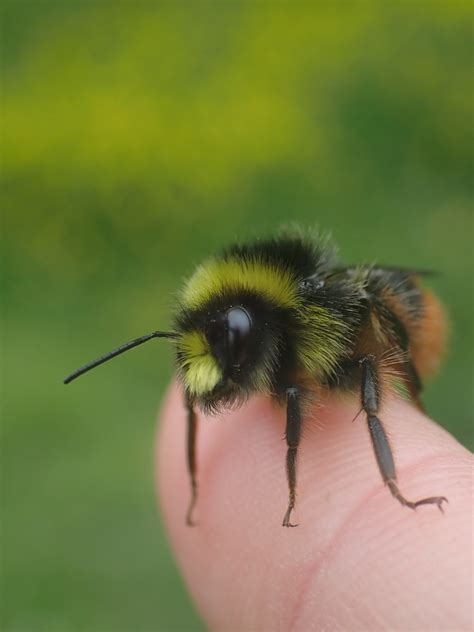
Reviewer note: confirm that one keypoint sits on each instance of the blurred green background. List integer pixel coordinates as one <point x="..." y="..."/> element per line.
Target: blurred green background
<point x="139" y="137"/>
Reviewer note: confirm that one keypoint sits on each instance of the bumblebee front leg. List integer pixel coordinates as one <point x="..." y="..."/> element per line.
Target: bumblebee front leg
<point x="293" y="433"/>
<point x="191" y="459"/>
<point x="370" y="395"/>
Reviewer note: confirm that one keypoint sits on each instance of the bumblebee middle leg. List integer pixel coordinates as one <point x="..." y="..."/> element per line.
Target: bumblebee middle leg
<point x="293" y="434"/>
<point x="370" y="396"/>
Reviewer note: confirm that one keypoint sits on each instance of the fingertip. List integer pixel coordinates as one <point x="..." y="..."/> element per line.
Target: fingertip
<point x="351" y="533"/>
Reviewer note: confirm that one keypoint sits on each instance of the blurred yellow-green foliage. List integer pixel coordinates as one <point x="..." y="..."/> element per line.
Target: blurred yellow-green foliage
<point x="138" y="137"/>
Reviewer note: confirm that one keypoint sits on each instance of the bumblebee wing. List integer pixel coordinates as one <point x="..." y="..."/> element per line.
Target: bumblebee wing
<point x="382" y="268"/>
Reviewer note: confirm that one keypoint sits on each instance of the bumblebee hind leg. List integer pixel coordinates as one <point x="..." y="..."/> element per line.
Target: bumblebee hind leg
<point x="370" y="396"/>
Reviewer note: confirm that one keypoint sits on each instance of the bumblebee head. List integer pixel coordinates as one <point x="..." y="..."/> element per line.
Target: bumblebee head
<point x="231" y="318"/>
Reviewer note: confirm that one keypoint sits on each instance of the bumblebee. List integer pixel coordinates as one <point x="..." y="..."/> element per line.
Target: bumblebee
<point x="286" y="318"/>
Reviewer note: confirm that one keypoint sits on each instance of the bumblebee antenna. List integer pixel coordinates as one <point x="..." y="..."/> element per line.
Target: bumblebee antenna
<point x="116" y="352"/>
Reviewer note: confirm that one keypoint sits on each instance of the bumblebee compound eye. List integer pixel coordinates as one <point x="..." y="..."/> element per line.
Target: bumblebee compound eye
<point x="239" y="333"/>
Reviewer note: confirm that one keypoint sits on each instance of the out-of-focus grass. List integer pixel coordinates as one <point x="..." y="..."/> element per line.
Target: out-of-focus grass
<point x="137" y="139"/>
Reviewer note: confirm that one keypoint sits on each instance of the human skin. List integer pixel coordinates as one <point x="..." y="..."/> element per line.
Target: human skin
<point x="358" y="560"/>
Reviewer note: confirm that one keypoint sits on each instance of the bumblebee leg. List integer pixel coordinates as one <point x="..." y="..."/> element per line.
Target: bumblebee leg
<point x="191" y="458"/>
<point x="293" y="433"/>
<point x="370" y="395"/>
